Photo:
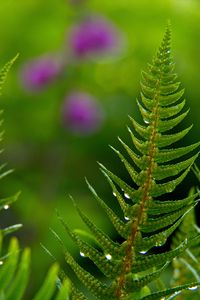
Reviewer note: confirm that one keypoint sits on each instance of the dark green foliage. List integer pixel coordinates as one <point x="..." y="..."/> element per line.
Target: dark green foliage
<point x="156" y="168"/>
<point x="187" y="266"/>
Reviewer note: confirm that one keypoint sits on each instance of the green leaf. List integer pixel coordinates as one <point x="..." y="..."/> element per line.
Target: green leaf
<point x="46" y="292"/>
<point x="157" y="207"/>
<point x="7" y="270"/>
<point x="19" y="283"/>
<point x="117" y="223"/>
<point x="168" y="139"/>
<point x="166" y="155"/>
<point x="164" y="171"/>
<point x="102" y="239"/>
<point x="165" y="125"/>
<point x="171" y="291"/>
<point x="133" y="285"/>
<point x="168" y="187"/>
<point x="8" y="201"/>
<point x="4" y="71"/>
<point x="95" y="286"/>
<point x="65" y="291"/>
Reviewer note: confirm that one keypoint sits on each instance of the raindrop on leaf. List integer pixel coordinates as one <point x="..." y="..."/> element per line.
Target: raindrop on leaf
<point x="108" y="256"/>
<point x="193" y="288"/>
<point x="126" y="196"/>
<point x="143" y="251"/>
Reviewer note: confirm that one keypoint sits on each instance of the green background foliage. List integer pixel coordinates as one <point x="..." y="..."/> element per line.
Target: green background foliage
<point x="51" y="162"/>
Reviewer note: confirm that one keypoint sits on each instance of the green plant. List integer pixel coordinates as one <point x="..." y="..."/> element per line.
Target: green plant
<point x="156" y="169"/>
<point x="15" y="267"/>
<point x="187" y="265"/>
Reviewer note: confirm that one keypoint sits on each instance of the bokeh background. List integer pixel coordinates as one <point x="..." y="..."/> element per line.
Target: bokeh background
<point x="68" y="96"/>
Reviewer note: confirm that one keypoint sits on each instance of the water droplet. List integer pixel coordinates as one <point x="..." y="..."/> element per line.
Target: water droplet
<point x="82" y="254"/>
<point x="126" y="196"/>
<point x="143" y="252"/>
<point x="1" y="262"/>
<point x="114" y="194"/>
<point x="126" y="218"/>
<point x="193" y="288"/>
<point x="146" y="121"/>
<point x="108" y="256"/>
<point x="6" y="206"/>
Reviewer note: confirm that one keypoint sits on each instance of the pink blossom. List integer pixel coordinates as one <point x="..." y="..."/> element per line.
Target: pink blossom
<point x="81" y="113"/>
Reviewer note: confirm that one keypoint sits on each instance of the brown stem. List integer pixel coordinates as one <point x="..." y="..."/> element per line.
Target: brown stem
<point x="128" y="258"/>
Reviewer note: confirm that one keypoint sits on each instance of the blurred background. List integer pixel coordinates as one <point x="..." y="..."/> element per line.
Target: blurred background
<point x="68" y="96"/>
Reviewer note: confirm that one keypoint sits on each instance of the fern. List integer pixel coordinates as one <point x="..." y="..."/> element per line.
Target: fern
<point x="187" y="266"/>
<point x="156" y="168"/>
<point x="15" y="267"/>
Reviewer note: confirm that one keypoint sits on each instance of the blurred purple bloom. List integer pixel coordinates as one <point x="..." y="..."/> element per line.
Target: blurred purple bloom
<point x="81" y="113"/>
<point x="93" y="35"/>
<point x="40" y="72"/>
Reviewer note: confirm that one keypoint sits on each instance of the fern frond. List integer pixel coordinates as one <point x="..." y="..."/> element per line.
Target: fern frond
<point x="15" y="266"/>
<point x="186" y="267"/>
<point x="148" y="220"/>
<point x="4" y="71"/>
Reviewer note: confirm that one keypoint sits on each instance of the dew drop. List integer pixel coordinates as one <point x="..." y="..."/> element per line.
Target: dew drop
<point x="1" y="262"/>
<point x="126" y="218"/>
<point x="126" y="196"/>
<point x="146" y="121"/>
<point x="82" y="254"/>
<point x="193" y="288"/>
<point x="114" y="194"/>
<point x="108" y="256"/>
<point x="6" y="206"/>
<point x="143" y="252"/>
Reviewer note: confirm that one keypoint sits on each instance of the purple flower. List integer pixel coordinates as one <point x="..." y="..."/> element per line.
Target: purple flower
<point x="40" y="72"/>
<point x="81" y="113"/>
<point x="93" y="35"/>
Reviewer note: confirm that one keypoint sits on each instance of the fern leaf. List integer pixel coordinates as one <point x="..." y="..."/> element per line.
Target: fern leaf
<point x="102" y="239"/>
<point x="65" y="290"/>
<point x="171" y="291"/>
<point x="19" y="283"/>
<point x="165" y="171"/>
<point x="105" y="265"/>
<point x="9" y="266"/>
<point x="133" y="285"/>
<point x="160" y="207"/>
<point x="130" y="266"/>
<point x="4" y="71"/>
<point x="92" y="284"/>
<point x="47" y="290"/>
